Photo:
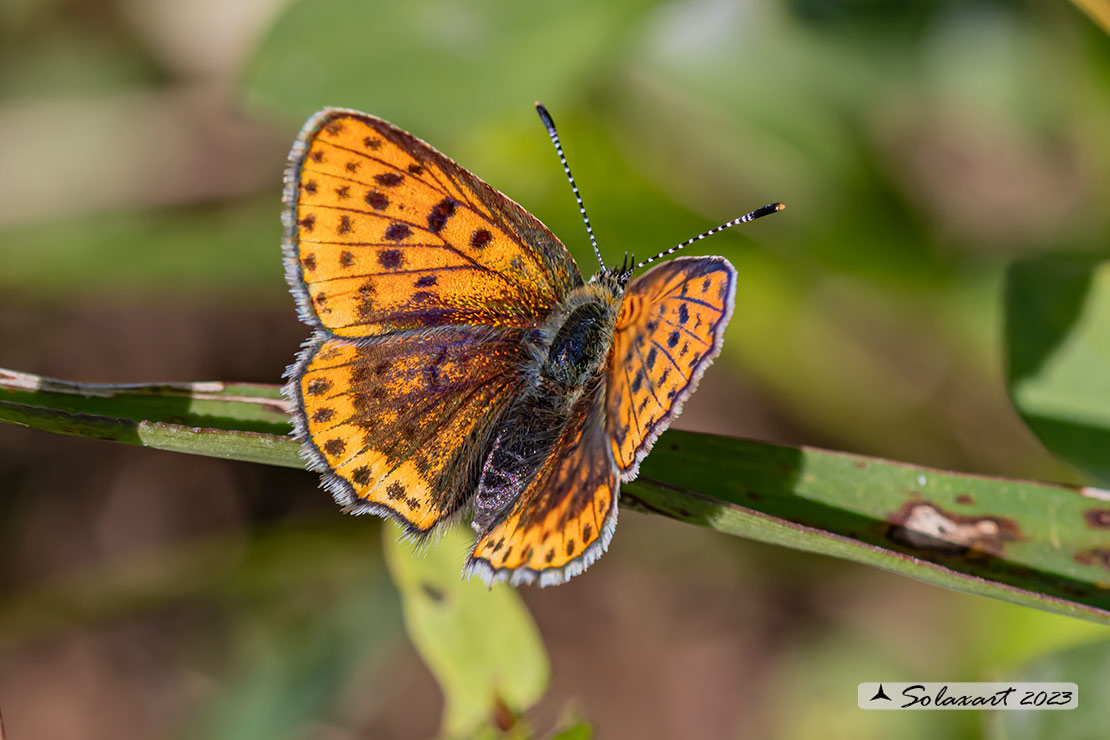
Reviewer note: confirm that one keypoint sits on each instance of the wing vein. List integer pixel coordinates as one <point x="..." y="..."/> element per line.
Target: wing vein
<point x="668" y="354"/>
<point x="684" y="330"/>
<point x="647" y="375"/>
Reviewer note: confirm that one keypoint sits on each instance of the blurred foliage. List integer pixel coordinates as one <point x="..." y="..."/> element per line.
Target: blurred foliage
<point x="1088" y="666"/>
<point x="297" y="664"/>
<point x="920" y="146"/>
<point x="477" y="60"/>
<point x="1099" y="10"/>
<point x="480" y="642"/>
<point x="1058" y="342"/>
<point x="579" y="731"/>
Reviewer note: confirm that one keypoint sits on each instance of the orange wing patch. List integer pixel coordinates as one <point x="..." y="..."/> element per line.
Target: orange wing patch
<point x="400" y="425"/>
<point x="564" y="519"/>
<point x="384" y="234"/>
<point x="671" y="327"/>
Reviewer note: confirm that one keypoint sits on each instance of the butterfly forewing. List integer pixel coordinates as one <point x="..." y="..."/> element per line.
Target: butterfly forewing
<point x="671" y="327"/>
<point x="385" y="234"/>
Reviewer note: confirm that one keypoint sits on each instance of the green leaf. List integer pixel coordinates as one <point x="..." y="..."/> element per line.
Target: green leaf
<point x="480" y="643"/>
<point x="1089" y="667"/>
<point x="577" y="731"/>
<point x="213" y="419"/>
<point x="1036" y="544"/>
<point x="1028" y="543"/>
<point x="1058" y="347"/>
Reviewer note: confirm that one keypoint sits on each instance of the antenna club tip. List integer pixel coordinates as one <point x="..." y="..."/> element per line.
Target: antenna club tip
<point x="780" y="206"/>
<point x="545" y="116"/>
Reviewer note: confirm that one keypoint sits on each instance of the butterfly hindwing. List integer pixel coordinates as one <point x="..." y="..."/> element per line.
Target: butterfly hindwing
<point x="671" y="327"/>
<point x="385" y="234"/>
<point x="399" y="425"/>
<point x="565" y="517"/>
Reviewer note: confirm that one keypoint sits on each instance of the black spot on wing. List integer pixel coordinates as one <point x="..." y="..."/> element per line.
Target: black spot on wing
<point x="377" y="200"/>
<point x="318" y="386"/>
<point x="396" y="232"/>
<point x="441" y="211"/>
<point x="480" y="238"/>
<point x="390" y="259"/>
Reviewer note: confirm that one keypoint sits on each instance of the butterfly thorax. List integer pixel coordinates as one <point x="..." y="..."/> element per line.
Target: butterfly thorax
<point x="581" y="341"/>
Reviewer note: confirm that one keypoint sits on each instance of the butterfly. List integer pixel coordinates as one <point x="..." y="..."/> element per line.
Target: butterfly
<point x="459" y="362"/>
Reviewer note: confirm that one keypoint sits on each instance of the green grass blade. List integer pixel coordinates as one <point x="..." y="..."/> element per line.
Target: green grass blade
<point x="238" y="422"/>
<point x="1036" y="544"/>
<point x="1041" y="545"/>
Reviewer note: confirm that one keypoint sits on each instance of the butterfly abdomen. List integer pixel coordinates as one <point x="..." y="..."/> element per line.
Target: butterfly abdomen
<point x="570" y="366"/>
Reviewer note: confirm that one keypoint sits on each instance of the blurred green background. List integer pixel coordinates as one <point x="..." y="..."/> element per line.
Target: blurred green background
<point x="920" y="147"/>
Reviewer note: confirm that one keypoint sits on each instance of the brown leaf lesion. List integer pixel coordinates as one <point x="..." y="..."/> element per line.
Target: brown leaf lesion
<point x="923" y="525"/>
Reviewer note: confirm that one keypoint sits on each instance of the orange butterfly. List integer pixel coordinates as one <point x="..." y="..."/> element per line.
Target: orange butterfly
<point x="460" y="363"/>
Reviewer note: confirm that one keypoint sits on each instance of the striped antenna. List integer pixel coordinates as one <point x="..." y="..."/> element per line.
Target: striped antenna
<point x="757" y="213"/>
<point x="550" y="125"/>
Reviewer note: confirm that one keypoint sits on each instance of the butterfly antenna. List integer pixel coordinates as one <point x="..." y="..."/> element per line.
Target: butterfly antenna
<point x="757" y="213"/>
<point x="550" y="125"/>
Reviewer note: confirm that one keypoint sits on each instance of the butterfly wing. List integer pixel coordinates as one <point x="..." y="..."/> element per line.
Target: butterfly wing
<point x="564" y="519"/>
<point x="671" y="327"/>
<point x="384" y="234"/>
<point x="399" y="425"/>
